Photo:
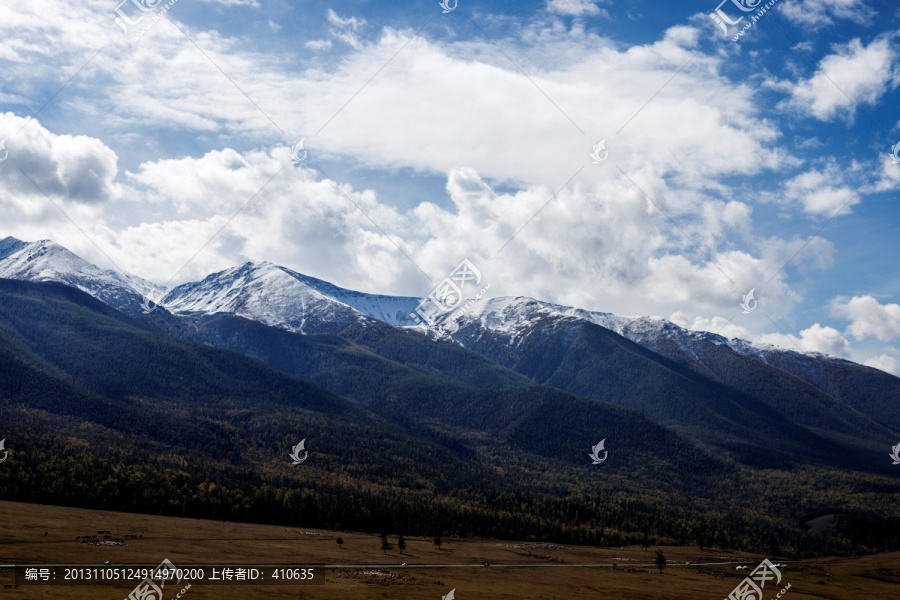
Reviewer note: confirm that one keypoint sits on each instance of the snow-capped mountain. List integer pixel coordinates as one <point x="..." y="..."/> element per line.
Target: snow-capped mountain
<point x="496" y="327"/>
<point x="279" y="297"/>
<point x="491" y="324"/>
<point x="516" y="317"/>
<point x="283" y="298"/>
<point x="45" y="260"/>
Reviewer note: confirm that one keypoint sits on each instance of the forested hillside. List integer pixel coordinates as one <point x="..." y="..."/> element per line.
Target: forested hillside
<point x="100" y="410"/>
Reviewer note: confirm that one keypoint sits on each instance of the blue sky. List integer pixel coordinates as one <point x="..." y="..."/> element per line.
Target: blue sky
<point x="758" y="164"/>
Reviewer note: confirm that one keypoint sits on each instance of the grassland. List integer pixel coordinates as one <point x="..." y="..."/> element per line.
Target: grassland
<point x="361" y="570"/>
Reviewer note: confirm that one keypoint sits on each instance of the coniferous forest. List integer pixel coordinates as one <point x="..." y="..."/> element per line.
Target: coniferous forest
<point x="103" y="411"/>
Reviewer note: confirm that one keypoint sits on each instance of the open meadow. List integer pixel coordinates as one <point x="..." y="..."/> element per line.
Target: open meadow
<point x="359" y="569"/>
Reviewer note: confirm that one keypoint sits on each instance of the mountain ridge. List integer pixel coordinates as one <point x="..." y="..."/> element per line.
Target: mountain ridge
<point x="502" y="330"/>
<point x="524" y="390"/>
<point x="216" y="293"/>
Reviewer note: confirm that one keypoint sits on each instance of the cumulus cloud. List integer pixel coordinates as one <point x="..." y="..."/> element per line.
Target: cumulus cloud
<point x="504" y="143"/>
<point x="854" y="75"/>
<point x="71" y="168"/>
<point x="889" y="178"/>
<point x="819" y="13"/>
<point x="869" y="318"/>
<point x="719" y="325"/>
<point x="884" y="362"/>
<point x="425" y="111"/>
<point x="574" y="8"/>
<point x="603" y="232"/>
<point x="318" y="44"/>
<point x="617" y="237"/>
<point x="818" y="338"/>
<point x="821" y="192"/>
<point x="600" y="228"/>
<point x="826" y="340"/>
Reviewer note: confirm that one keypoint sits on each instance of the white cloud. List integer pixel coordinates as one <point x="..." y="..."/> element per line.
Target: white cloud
<point x="574" y="8"/>
<point x="348" y="22"/>
<point x="250" y="3"/>
<point x="273" y="25"/>
<point x="318" y="44"/>
<point x="612" y="234"/>
<point x="869" y="318"/>
<point x="886" y="363"/>
<point x="73" y="168"/>
<point x="818" y="13"/>
<point x="890" y="175"/>
<point x="822" y="192"/>
<point x="818" y="338"/>
<point x="345" y="29"/>
<point x="423" y="112"/>
<point x="457" y="110"/>
<point x="854" y="75"/>
<point x="721" y="218"/>
<point x="719" y="325"/>
<point x="620" y="239"/>
<point x="826" y="340"/>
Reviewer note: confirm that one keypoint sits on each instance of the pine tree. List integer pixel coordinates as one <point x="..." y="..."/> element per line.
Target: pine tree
<point x="401" y="544"/>
<point x="385" y="544"/>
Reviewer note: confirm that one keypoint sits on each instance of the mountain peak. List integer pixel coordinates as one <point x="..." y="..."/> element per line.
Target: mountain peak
<point x="46" y="260"/>
<point x="264" y="292"/>
<point x="275" y="295"/>
<point x="10" y="245"/>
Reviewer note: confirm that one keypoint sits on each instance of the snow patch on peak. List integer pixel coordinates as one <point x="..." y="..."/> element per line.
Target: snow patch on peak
<point x="515" y="317"/>
<point x="269" y="294"/>
<point x="514" y="314"/>
<point x="278" y="296"/>
<point x="10" y="245"/>
<point x="46" y="260"/>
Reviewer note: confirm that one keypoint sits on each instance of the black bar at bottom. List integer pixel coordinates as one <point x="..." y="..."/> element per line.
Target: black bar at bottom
<point x="22" y="576"/>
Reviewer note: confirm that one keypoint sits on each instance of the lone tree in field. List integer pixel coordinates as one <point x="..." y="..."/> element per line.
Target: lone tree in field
<point x="385" y="544"/>
<point x="660" y="561"/>
<point x="401" y="543"/>
<point x="438" y="541"/>
<point x="340" y="542"/>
